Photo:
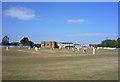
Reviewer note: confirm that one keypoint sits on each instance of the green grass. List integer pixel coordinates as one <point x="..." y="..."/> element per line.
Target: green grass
<point x="59" y="64"/>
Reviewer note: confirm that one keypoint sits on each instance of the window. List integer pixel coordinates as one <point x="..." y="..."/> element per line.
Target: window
<point x="47" y="44"/>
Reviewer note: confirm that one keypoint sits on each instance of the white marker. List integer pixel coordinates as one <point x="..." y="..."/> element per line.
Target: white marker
<point x="53" y="48"/>
<point x="98" y="48"/>
<point x="29" y="48"/>
<point x="73" y="49"/>
<point x="93" y="50"/>
<point x="36" y="49"/>
<point x="6" y="48"/>
<point x="78" y="49"/>
<point x="60" y="47"/>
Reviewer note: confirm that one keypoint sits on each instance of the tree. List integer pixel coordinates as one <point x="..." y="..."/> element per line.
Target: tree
<point x="118" y="42"/>
<point x="15" y="43"/>
<point x="5" y="40"/>
<point x="25" y="41"/>
<point x="108" y="43"/>
<point x="31" y="44"/>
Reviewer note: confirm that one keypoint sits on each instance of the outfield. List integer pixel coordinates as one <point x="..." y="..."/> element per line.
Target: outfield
<point x="59" y="64"/>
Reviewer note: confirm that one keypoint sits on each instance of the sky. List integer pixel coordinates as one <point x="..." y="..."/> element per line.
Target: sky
<point x="77" y="22"/>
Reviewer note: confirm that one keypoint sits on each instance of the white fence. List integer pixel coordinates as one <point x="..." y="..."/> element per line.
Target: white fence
<point x="109" y="48"/>
<point x="14" y="46"/>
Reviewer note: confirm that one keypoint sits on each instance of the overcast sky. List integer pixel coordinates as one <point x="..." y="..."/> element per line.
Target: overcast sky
<point x="78" y="22"/>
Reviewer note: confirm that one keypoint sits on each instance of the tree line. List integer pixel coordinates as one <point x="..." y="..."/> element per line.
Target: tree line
<point x="110" y="43"/>
<point x="24" y="42"/>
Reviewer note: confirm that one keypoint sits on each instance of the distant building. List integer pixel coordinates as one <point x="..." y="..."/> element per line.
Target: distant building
<point x="48" y="44"/>
<point x="53" y="44"/>
<point x="94" y="45"/>
<point x="65" y="44"/>
<point x="83" y="46"/>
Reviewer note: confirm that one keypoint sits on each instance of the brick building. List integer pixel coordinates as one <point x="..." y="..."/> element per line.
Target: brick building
<point x="48" y="44"/>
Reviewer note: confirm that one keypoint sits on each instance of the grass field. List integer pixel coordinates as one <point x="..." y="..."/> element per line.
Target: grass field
<point x="59" y="64"/>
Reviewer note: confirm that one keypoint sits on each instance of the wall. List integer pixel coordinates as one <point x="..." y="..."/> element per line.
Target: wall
<point x="48" y="44"/>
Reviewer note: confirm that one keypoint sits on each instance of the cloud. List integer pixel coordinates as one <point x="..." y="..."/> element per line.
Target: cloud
<point x="20" y="13"/>
<point x="90" y="34"/>
<point x="75" y="21"/>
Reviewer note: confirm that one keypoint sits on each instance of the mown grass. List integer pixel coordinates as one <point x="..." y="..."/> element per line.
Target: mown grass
<point x="59" y="64"/>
